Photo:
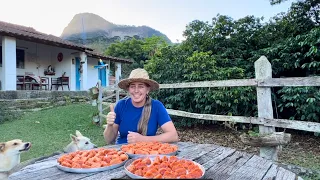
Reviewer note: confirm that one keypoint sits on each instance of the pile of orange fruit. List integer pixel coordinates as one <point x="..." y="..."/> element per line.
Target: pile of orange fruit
<point x="149" y="148"/>
<point x="166" y="167"/>
<point x="94" y="158"/>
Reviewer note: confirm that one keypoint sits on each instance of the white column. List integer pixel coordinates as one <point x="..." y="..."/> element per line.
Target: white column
<point x="9" y="65"/>
<point x="73" y="74"/>
<point x="118" y="72"/>
<point x="84" y="75"/>
<point x="107" y="73"/>
<point x="118" y="75"/>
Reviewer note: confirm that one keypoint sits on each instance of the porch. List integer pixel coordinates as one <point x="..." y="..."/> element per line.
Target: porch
<point x="33" y="82"/>
<point x="31" y="60"/>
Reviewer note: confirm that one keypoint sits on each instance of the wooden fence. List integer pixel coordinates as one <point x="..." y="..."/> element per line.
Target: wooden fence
<point x="263" y="82"/>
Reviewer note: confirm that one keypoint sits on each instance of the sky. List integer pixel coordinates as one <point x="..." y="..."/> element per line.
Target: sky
<point x="167" y="16"/>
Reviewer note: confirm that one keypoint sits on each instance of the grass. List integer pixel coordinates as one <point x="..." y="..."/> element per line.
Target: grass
<point x="49" y="130"/>
<point x="307" y="160"/>
<point x="312" y="177"/>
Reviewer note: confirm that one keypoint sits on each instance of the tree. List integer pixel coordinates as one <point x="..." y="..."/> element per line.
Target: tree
<point x="139" y="50"/>
<point x="227" y="49"/>
<point x="273" y="2"/>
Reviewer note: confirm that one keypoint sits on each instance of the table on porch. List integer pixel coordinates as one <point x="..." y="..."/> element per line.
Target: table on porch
<point x="219" y="162"/>
<point x="32" y="81"/>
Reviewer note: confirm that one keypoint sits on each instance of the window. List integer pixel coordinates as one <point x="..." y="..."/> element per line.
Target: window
<point x="19" y="55"/>
<point x="20" y="58"/>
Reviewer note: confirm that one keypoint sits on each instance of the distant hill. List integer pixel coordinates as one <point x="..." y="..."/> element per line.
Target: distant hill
<point x="100" y="31"/>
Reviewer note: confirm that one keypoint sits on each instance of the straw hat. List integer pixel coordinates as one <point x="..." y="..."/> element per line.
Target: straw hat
<point x="138" y="75"/>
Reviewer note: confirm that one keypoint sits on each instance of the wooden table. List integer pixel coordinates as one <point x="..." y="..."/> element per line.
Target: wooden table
<point x="220" y="163"/>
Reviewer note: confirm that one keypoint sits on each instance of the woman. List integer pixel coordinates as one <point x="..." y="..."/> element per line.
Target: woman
<point x="138" y="117"/>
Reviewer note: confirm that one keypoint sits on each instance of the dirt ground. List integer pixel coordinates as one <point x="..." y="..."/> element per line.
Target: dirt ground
<point x="303" y="150"/>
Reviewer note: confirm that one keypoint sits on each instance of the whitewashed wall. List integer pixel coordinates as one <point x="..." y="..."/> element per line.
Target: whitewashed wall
<point x="39" y="56"/>
<point x="92" y="72"/>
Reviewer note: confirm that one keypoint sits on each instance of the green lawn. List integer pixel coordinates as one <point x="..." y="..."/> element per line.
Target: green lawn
<point x="49" y="130"/>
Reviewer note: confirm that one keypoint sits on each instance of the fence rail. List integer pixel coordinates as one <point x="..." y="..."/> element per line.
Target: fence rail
<point x="271" y="82"/>
<point x="282" y="123"/>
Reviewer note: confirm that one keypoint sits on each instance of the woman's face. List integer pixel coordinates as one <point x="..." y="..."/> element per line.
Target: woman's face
<point x="138" y="92"/>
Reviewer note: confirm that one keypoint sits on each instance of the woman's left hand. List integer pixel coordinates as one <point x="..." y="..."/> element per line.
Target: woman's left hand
<point x="134" y="137"/>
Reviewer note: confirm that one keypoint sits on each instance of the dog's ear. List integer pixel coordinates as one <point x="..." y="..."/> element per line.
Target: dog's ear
<point x="78" y="133"/>
<point x="74" y="138"/>
<point x="2" y="145"/>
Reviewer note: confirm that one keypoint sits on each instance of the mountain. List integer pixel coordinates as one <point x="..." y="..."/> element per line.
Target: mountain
<point x="98" y="30"/>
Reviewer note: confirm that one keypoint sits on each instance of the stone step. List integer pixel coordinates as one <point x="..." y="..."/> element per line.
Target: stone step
<point x="26" y="103"/>
<point x="43" y="102"/>
<point x="31" y="94"/>
<point x="21" y="100"/>
<point x="31" y="110"/>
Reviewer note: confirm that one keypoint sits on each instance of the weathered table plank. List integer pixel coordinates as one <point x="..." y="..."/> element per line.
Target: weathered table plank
<point x="284" y="174"/>
<point x="183" y="145"/>
<point x="219" y="162"/>
<point x="37" y="167"/>
<point x="196" y="151"/>
<point x="272" y="172"/>
<point x="110" y="174"/>
<point x="41" y="174"/>
<point x="255" y="168"/>
<point x="227" y="166"/>
<point x="214" y="157"/>
<point x="68" y="176"/>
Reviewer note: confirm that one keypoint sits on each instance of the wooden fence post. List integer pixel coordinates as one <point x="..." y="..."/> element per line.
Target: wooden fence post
<point x="263" y="70"/>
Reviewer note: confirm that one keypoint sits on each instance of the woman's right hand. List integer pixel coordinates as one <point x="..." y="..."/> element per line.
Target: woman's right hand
<point x="111" y="116"/>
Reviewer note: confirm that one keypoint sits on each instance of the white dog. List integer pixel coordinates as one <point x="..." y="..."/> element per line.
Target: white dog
<point x="79" y="142"/>
<point x="10" y="155"/>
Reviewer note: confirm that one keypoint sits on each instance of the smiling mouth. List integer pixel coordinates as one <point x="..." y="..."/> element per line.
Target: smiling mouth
<point x="26" y="147"/>
<point x="137" y="96"/>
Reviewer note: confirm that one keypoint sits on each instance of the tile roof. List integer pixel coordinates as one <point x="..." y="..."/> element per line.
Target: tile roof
<point x="100" y="56"/>
<point x="30" y="34"/>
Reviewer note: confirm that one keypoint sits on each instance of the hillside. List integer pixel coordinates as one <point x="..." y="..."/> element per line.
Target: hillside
<point x="97" y="30"/>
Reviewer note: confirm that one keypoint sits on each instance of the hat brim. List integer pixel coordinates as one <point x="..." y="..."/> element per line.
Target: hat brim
<point x="124" y="84"/>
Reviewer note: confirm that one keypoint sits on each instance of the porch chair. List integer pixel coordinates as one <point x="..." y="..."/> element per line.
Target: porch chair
<point x="30" y="79"/>
<point x="60" y="81"/>
<point x="44" y="81"/>
<point x="65" y="82"/>
<point x="21" y="82"/>
<point x="55" y="82"/>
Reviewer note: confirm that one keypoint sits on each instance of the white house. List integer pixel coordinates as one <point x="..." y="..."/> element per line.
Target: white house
<point x="27" y="56"/>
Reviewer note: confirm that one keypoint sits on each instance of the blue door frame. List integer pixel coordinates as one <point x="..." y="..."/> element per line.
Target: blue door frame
<point x="77" y="73"/>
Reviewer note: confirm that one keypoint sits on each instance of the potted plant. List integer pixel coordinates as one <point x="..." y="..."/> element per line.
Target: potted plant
<point x="94" y="93"/>
<point x="95" y="117"/>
